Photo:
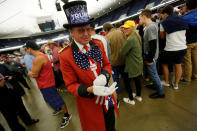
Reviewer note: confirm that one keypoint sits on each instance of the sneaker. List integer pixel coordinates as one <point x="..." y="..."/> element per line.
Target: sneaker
<point x="194" y="78"/>
<point x="127" y="100"/>
<point x="56" y="112"/>
<point x="163" y="83"/>
<point x="184" y="81"/>
<point x="156" y="95"/>
<point x="65" y="121"/>
<point x="175" y="87"/>
<point x="138" y="98"/>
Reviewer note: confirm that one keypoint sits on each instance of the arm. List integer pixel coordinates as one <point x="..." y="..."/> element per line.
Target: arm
<point x="126" y="47"/>
<point x="2" y="83"/>
<point x="108" y="49"/>
<point x="37" y="66"/>
<point x="162" y="32"/>
<point x="152" y="43"/>
<point x="162" y="35"/>
<point x="109" y="52"/>
<point x="152" y="50"/>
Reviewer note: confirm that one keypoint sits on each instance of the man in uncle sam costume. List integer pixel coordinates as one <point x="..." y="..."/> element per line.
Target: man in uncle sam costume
<point x="86" y="71"/>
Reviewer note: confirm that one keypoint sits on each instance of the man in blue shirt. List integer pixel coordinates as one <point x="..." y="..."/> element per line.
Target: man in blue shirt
<point x="190" y="59"/>
<point x="28" y="61"/>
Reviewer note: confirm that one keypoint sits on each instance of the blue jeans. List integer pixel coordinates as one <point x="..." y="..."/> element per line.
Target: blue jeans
<point x="152" y="72"/>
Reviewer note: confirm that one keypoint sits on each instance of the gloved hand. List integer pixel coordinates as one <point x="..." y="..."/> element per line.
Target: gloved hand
<point x="100" y="81"/>
<point x="104" y="91"/>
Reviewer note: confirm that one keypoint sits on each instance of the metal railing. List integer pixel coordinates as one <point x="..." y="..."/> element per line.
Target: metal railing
<point x="100" y="27"/>
<point x="39" y="43"/>
<point x="136" y="14"/>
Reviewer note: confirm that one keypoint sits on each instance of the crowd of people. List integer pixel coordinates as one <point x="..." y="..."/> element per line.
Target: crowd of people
<point x="86" y="64"/>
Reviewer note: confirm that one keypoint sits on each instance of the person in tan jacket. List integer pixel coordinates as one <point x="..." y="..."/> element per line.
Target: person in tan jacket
<point x="116" y="39"/>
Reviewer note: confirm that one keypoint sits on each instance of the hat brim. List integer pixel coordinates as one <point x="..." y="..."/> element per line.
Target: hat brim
<point x="125" y="26"/>
<point x="68" y="26"/>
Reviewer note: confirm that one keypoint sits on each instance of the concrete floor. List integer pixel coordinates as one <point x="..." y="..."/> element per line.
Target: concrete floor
<point x="177" y="112"/>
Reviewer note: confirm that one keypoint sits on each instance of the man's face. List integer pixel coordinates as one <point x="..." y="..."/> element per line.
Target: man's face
<point x="81" y="34"/>
<point x="159" y="15"/>
<point x="6" y="60"/>
<point x="28" y="50"/>
<point x="51" y="46"/>
<point x="164" y="16"/>
<point x="183" y="10"/>
<point x="142" y="19"/>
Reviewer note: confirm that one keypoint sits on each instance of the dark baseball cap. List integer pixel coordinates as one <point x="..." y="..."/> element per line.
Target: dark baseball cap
<point x="32" y="45"/>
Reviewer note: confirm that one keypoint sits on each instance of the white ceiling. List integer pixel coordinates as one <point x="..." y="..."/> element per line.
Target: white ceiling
<point x="20" y="18"/>
<point x="100" y="7"/>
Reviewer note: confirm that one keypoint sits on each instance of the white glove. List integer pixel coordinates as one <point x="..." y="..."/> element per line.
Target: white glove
<point x="100" y="81"/>
<point x="104" y="91"/>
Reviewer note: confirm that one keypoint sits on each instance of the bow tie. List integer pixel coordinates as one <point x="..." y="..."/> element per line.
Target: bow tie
<point x="81" y="59"/>
<point x="86" y="48"/>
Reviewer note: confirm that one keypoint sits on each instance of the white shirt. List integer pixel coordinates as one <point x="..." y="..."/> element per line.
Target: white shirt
<point x="103" y="40"/>
<point x="80" y="46"/>
<point x="175" y="41"/>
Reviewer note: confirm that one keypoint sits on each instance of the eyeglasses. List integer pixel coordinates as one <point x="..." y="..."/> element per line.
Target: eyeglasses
<point x="83" y="30"/>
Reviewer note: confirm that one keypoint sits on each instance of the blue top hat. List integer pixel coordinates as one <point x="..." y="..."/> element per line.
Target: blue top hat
<point x="76" y="13"/>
